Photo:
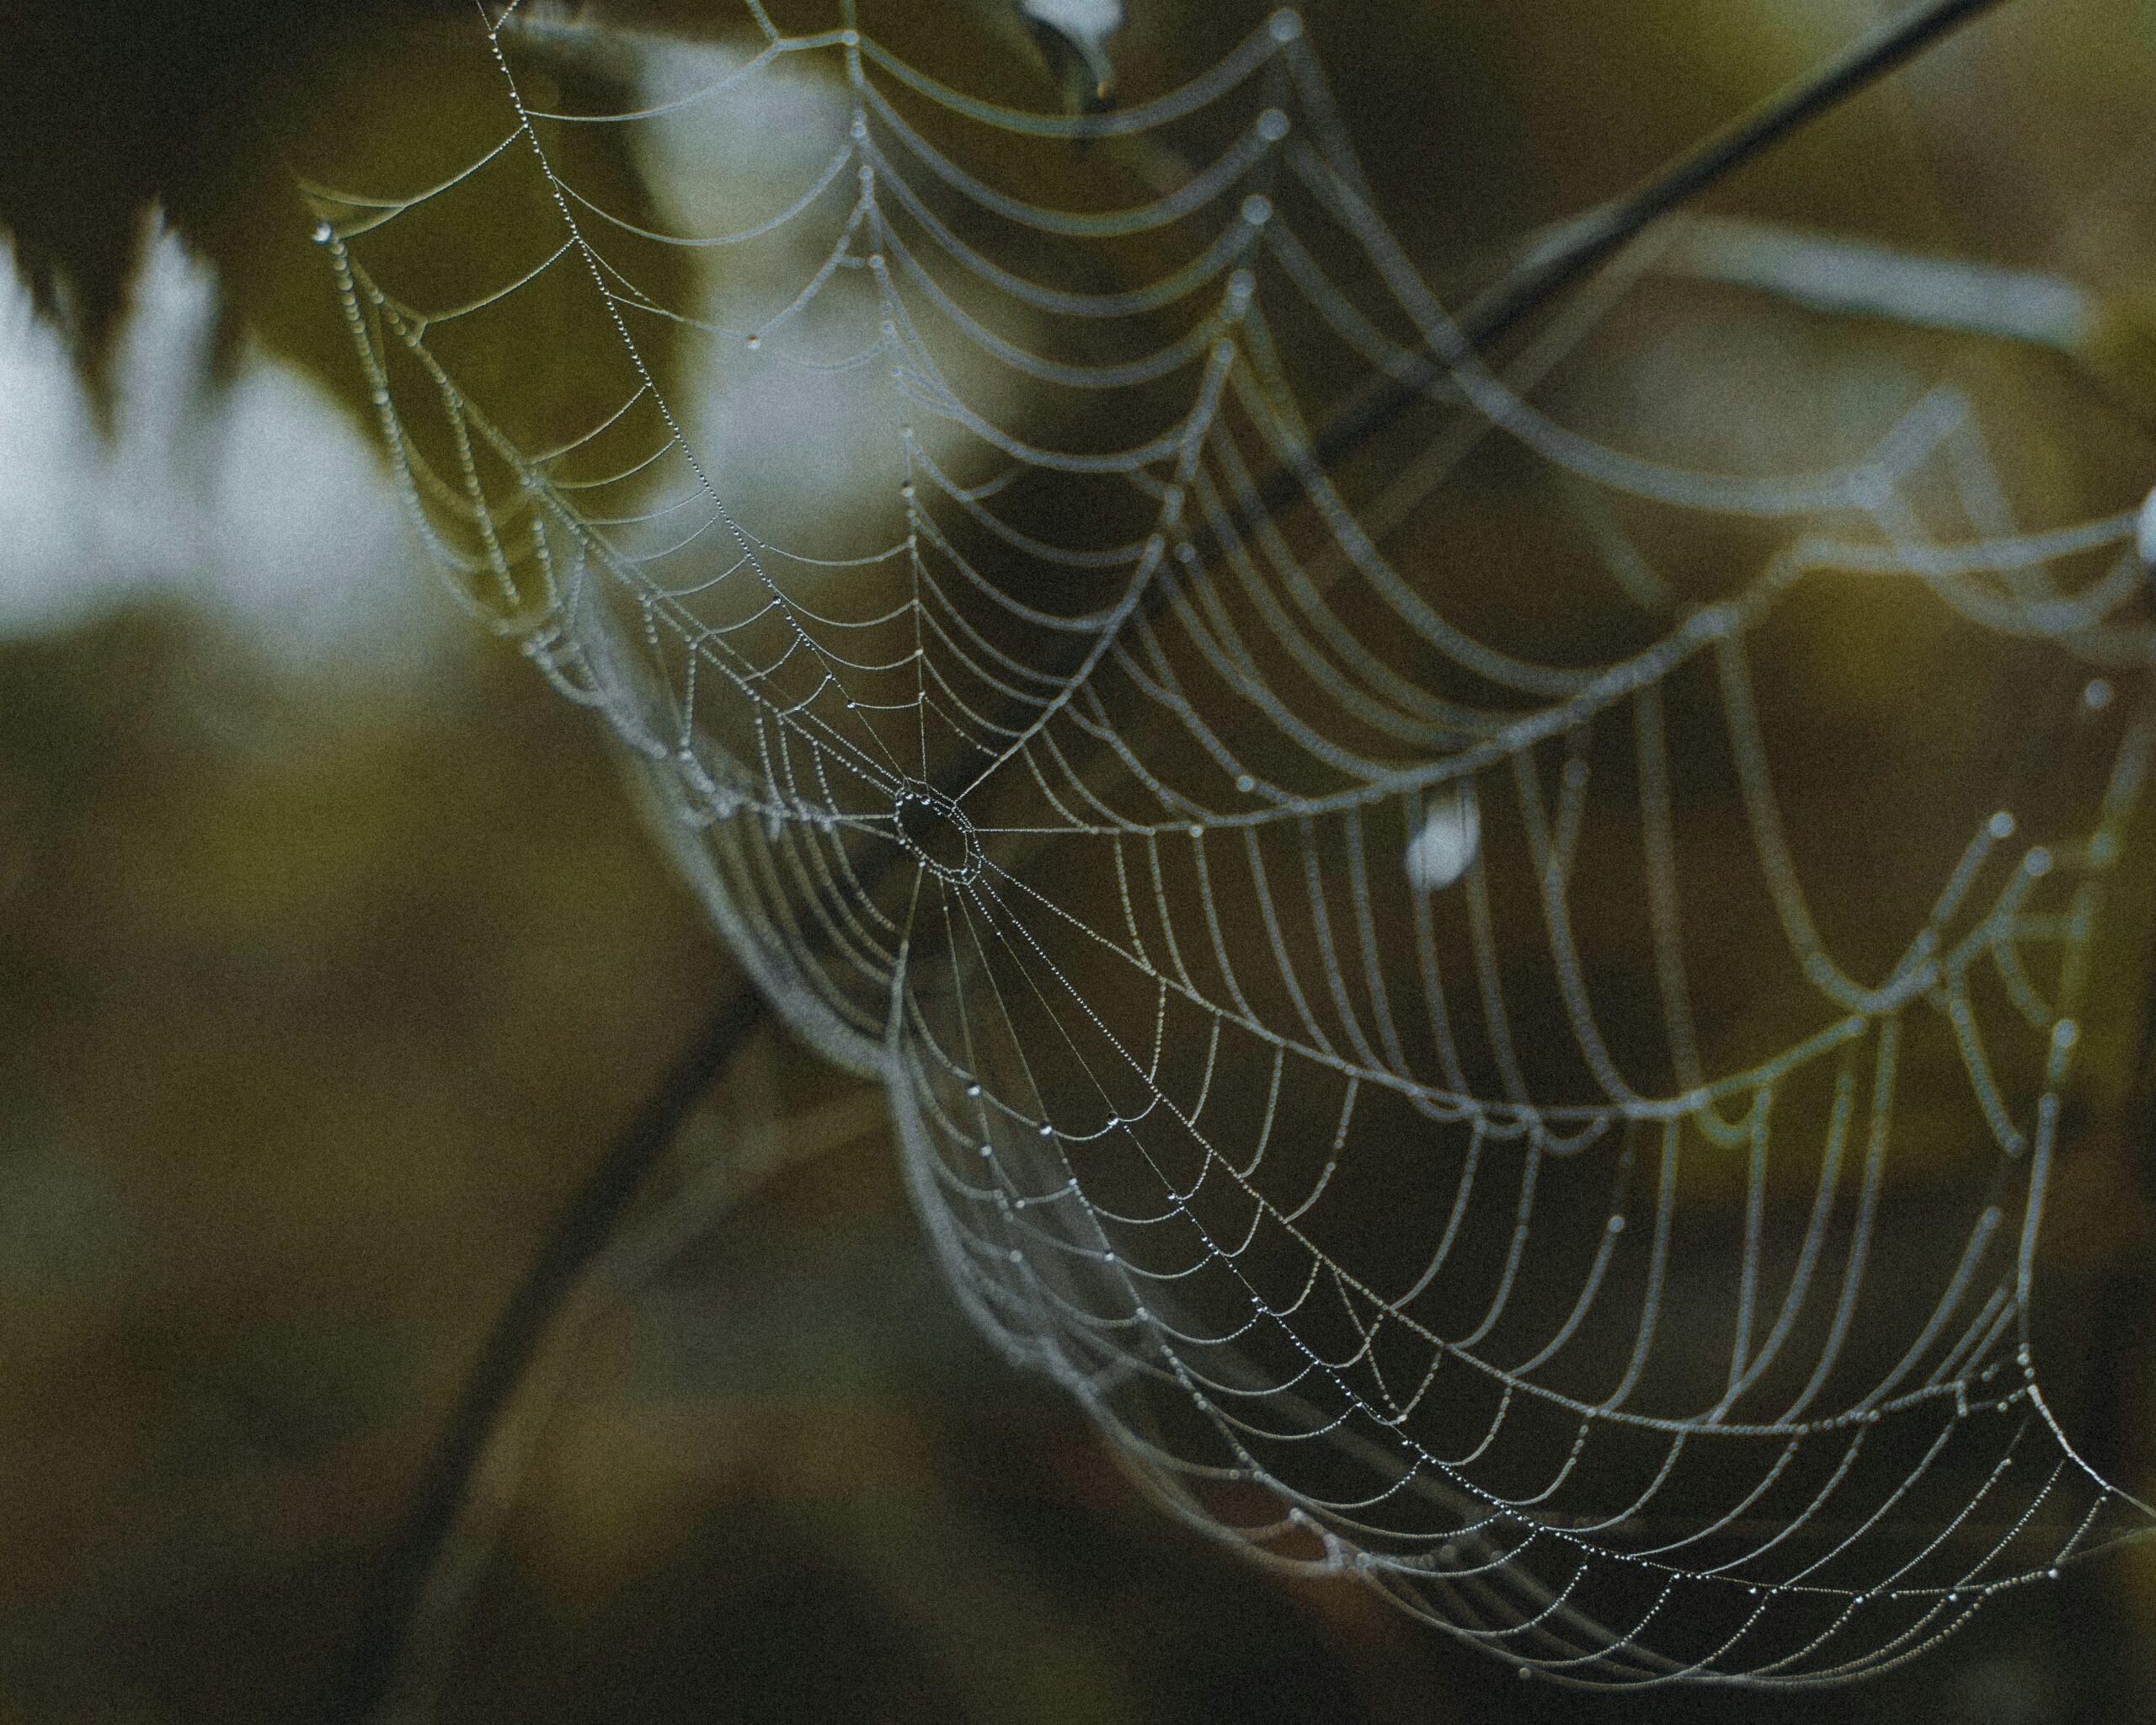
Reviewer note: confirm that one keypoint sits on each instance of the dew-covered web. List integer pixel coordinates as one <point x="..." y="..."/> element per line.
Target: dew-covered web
<point x="1494" y="996"/>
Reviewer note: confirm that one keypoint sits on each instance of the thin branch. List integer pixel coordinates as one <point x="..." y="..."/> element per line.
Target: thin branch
<point x="393" y="1598"/>
<point x="399" y="1583"/>
<point x="1583" y="244"/>
<point x="1852" y="278"/>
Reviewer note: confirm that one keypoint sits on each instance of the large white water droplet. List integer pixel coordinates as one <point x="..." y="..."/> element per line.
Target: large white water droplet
<point x="1439" y="854"/>
<point x="1074" y="38"/>
<point x="1091" y="21"/>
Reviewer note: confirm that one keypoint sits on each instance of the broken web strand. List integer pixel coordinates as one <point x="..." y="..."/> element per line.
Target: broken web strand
<point x="1008" y="1065"/>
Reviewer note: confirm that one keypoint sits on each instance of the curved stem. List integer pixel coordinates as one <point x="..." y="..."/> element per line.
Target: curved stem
<point x="394" y="1593"/>
<point x="393" y="1599"/>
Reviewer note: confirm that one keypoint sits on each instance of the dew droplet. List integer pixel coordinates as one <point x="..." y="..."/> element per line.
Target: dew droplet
<point x="1442" y="850"/>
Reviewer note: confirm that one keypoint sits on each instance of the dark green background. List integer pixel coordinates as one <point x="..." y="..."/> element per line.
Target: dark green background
<point x="317" y="993"/>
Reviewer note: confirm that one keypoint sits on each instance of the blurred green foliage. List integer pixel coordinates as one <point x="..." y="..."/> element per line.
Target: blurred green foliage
<point x="316" y="996"/>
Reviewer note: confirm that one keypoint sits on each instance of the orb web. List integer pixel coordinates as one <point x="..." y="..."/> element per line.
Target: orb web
<point x="1497" y="1001"/>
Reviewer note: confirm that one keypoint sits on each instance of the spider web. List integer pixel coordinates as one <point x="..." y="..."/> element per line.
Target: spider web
<point x="1418" y="974"/>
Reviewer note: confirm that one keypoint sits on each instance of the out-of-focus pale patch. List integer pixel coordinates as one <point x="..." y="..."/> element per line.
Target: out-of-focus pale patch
<point x="1088" y="22"/>
<point x="797" y="414"/>
<point x="48" y="452"/>
<point x="2144" y="531"/>
<point x="258" y="501"/>
<point x="1442" y="851"/>
<point x="787" y="444"/>
<point x="1083" y="26"/>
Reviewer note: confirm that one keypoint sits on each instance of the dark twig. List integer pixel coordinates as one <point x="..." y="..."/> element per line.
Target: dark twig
<point x="395" y="1595"/>
<point x="1583" y="244"/>
<point x="399" y="1583"/>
